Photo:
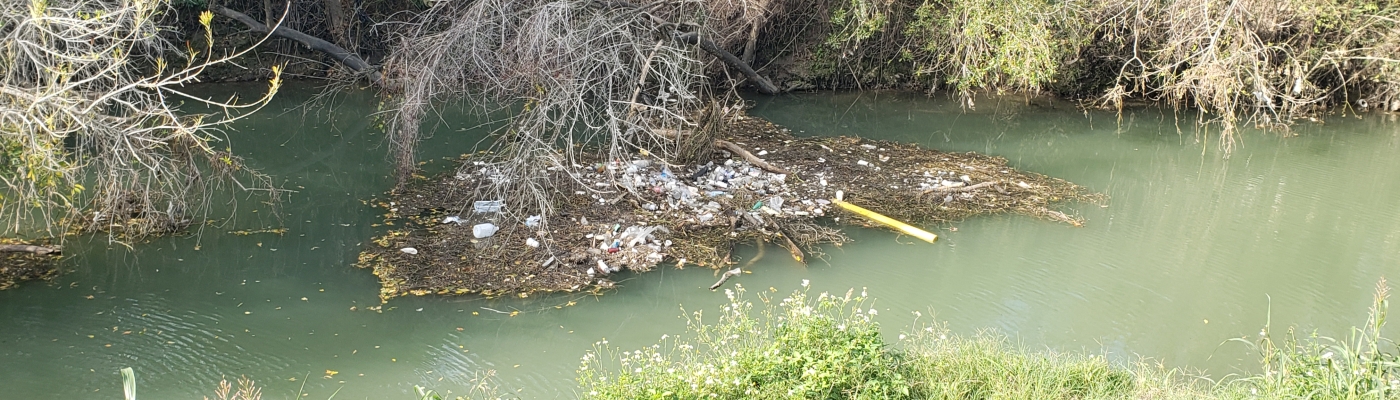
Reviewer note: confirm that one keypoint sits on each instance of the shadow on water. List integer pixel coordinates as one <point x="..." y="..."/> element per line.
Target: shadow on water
<point x="1180" y="260"/>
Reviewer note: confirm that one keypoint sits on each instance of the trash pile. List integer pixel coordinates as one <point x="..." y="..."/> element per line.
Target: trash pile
<point x="762" y="185"/>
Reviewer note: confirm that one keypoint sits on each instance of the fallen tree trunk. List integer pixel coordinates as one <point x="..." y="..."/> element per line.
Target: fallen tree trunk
<point x="340" y="54"/>
<point x="764" y="85"/>
<point x="29" y="248"/>
<point x="752" y="159"/>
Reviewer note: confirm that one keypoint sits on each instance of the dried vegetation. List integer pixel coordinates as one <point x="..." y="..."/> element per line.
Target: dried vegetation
<point x="1244" y="63"/>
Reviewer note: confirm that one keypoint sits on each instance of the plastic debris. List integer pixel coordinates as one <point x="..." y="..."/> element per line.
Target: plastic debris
<point x="484" y="230"/>
<point x="409" y="250"/>
<point x="603" y="267"/>
<point x="533" y="221"/>
<point x="491" y="206"/>
<point x="891" y="222"/>
<point x="532" y="242"/>
<point x="453" y="219"/>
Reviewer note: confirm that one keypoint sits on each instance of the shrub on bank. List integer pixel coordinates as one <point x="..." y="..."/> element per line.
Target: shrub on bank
<point x="828" y="347"/>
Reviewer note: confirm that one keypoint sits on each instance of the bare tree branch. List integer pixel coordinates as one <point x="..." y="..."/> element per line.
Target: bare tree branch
<point x="752" y="159"/>
<point x="341" y="55"/>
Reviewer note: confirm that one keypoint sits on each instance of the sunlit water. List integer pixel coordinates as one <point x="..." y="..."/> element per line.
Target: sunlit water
<point x="1192" y="249"/>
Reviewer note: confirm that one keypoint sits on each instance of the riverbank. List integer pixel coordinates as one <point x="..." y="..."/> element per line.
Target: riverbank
<point x="827" y="346"/>
<point x="448" y="237"/>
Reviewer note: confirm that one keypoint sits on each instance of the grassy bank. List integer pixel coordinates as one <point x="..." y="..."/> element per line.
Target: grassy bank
<point x="827" y="346"/>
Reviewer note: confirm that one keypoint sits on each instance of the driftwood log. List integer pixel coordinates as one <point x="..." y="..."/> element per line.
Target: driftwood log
<point x="764" y="85"/>
<point x="29" y="248"/>
<point x="340" y="54"/>
<point x="752" y="159"/>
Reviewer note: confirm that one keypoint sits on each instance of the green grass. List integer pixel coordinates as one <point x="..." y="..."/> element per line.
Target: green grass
<point x="828" y="347"/>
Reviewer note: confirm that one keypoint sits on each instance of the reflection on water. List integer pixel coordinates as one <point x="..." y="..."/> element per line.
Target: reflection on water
<point x="1191" y="250"/>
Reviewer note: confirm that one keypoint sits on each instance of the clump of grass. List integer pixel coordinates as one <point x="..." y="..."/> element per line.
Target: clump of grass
<point x="988" y="366"/>
<point x="1362" y="365"/>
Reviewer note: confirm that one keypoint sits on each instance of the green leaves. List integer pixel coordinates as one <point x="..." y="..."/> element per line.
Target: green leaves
<point x="797" y="347"/>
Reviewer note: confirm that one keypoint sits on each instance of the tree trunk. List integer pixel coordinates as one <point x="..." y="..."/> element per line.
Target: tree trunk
<point x="764" y="86"/>
<point x="750" y="44"/>
<point x="338" y="21"/>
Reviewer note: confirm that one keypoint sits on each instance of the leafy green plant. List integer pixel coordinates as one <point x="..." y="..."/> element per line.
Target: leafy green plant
<point x="990" y="44"/>
<point x="798" y="347"/>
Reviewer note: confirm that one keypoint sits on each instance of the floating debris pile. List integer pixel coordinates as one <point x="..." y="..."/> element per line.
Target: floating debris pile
<point x="760" y="184"/>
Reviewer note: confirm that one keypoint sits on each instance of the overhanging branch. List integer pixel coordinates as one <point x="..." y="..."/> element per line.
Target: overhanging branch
<point x="341" y="55"/>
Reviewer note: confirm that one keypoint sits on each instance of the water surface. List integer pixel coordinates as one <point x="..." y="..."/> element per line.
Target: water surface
<point x="1192" y="249"/>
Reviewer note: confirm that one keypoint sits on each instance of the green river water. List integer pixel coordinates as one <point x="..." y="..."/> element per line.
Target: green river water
<point x="1192" y="250"/>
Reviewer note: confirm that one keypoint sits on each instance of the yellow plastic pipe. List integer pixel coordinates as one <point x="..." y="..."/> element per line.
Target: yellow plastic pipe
<point x="891" y="222"/>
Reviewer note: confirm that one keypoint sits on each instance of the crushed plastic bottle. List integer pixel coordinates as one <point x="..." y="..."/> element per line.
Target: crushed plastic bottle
<point x="484" y="230"/>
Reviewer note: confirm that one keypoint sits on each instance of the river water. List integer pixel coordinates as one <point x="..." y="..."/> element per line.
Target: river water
<point x="1192" y="249"/>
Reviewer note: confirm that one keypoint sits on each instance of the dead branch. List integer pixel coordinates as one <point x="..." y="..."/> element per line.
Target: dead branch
<point x="724" y="278"/>
<point x="764" y="85"/>
<point x="958" y="189"/>
<point x="29" y="248"/>
<point x="792" y="247"/>
<point x="341" y="55"/>
<point x="752" y="159"/>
